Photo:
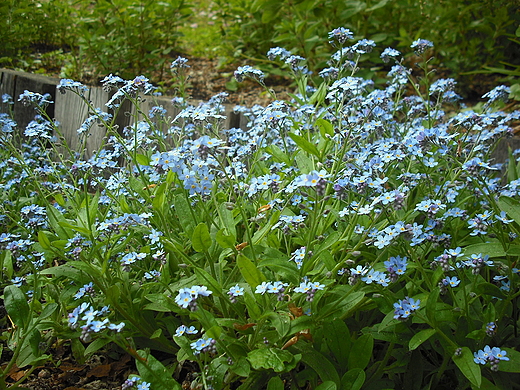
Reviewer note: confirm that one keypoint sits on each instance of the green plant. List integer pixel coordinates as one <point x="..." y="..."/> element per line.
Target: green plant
<point x="353" y="237"/>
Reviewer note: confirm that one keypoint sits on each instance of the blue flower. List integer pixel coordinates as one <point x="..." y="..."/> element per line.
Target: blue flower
<point x="451" y="281"/>
<point x="502" y="218"/>
<point x="236" y="290"/>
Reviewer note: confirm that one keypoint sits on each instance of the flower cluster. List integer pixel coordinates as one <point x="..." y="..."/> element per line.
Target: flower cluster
<point x="134" y="382"/>
<point x="277" y="288"/>
<point x="490" y="355"/>
<point x="187" y="297"/>
<point x="405" y="307"/>
<point x="94" y="321"/>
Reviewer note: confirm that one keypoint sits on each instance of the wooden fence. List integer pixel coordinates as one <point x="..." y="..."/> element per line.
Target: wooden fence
<point x="71" y="111"/>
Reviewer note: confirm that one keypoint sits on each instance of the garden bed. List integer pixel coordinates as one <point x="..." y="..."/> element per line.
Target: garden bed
<point x="354" y="235"/>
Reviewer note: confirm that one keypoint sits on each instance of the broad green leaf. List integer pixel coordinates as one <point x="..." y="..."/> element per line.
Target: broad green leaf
<point x="319" y="363"/>
<point x="361" y="352"/>
<point x="252" y="307"/>
<point x="343" y="305"/>
<point x="249" y="271"/>
<point x="489" y="289"/>
<point x="183" y="210"/>
<point x="16" y="306"/>
<point x="281" y="322"/>
<point x="325" y="127"/>
<point x="304" y="144"/>
<point x="159" y="199"/>
<point x="468" y="367"/>
<point x="275" y="383"/>
<point x="90" y="269"/>
<point x="269" y="358"/>
<point x="511" y="365"/>
<point x="492" y="249"/>
<point x="141" y="159"/>
<point x="241" y="367"/>
<point x="318" y="96"/>
<point x="76" y="228"/>
<point x="337" y="337"/>
<point x="67" y="271"/>
<point x="161" y="303"/>
<point x="420" y="337"/>
<point x="510" y="206"/>
<point x="225" y="241"/>
<point x="56" y="218"/>
<point x="327" y="385"/>
<point x="7" y="264"/>
<point x="201" y="240"/>
<point x="353" y="379"/>
<point x="227" y="219"/>
<point x="278" y="154"/>
<point x="152" y="370"/>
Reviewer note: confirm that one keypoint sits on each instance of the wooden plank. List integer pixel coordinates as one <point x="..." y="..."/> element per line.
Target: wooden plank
<point x="71" y="111"/>
<point x="33" y="83"/>
<point x="98" y="132"/>
<point x="7" y="83"/>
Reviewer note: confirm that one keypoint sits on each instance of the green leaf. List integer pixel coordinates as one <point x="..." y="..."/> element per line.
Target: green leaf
<point x="420" y="337"/>
<point x="381" y="4"/>
<point x="67" y="271"/>
<point x="141" y="159"/>
<point x="327" y="385"/>
<point x="241" y="367"/>
<point x="225" y="241"/>
<point x="492" y="249"/>
<point x="152" y="370"/>
<point x="431" y="303"/>
<point x="16" y="306"/>
<point x="48" y="310"/>
<point x="96" y="345"/>
<point x="343" y="306"/>
<point x="183" y="210"/>
<point x="319" y="363"/>
<point x="325" y="127"/>
<point x="278" y="154"/>
<point x="318" y="97"/>
<point x="44" y="240"/>
<point x="159" y="199"/>
<point x="510" y="206"/>
<point x="337" y="337"/>
<point x="511" y="365"/>
<point x="249" y="271"/>
<point x="227" y="219"/>
<point x="275" y="383"/>
<point x="201" y="240"/>
<point x="489" y="289"/>
<point x="361" y="352"/>
<point x="353" y="379"/>
<point x="468" y="367"/>
<point x="304" y="144"/>
<point x="269" y="358"/>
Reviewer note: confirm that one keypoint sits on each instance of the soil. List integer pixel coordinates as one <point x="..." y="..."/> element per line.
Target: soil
<point x="207" y="78"/>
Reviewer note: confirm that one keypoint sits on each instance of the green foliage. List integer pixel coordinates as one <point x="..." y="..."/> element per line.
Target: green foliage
<point x="472" y="36"/>
<point x="119" y="36"/>
<point x="351" y="238"/>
